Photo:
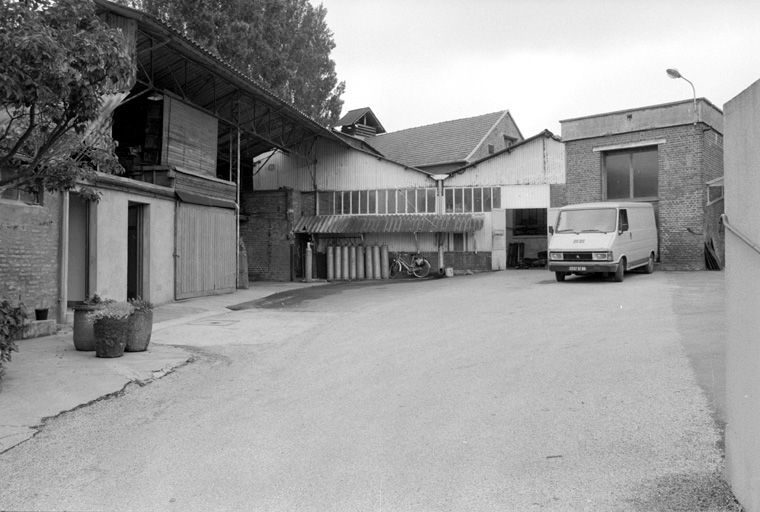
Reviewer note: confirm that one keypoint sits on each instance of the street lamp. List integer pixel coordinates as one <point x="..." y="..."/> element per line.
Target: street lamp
<point x="674" y="73"/>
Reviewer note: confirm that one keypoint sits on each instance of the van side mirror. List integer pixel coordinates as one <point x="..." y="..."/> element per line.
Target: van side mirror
<point x="551" y="230"/>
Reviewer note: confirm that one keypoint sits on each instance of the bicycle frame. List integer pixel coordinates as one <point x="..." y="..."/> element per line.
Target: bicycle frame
<point x="419" y="266"/>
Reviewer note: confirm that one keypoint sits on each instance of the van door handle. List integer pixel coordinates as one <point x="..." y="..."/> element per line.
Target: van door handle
<point x="630" y="235"/>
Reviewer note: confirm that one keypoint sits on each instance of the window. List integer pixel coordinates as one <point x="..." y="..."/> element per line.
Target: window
<point x="430" y="193"/>
<point x="458" y="244"/>
<point x="326" y="203"/>
<point x="530" y="222"/>
<point x="19" y="194"/>
<point x="472" y="200"/>
<point x="714" y="191"/>
<point x="400" y="201"/>
<point x="631" y="174"/>
<point x="370" y="201"/>
<point x="421" y="201"/>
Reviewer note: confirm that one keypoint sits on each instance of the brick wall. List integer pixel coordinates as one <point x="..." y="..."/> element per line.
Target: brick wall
<point x="265" y="234"/>
<point x="685" y="164"/>
<point x="557" y="195"/>
<point x="29" y="239"/>
<point x="713" y="165"/>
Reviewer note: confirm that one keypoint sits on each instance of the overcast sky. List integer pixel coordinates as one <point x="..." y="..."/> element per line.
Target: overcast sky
<point x="416" y="62"/>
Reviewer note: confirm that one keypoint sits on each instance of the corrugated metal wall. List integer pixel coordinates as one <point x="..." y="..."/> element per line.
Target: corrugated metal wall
<point x="539" y="161"/>
<point x="206" y="251"/>
<point x="190" y="140"/>
<point x="338" y="168"/>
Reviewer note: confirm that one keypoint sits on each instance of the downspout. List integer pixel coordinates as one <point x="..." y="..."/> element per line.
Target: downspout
<point x="63" y="260"/>
<point x="440" y="210"/>
<point x="237" y="212"/>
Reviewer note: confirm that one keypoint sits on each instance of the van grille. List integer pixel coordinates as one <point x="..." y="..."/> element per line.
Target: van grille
<point x="577" y="256"/>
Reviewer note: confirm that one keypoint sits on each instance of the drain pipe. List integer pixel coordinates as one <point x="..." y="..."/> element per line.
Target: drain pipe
<point x="440" y="209"/>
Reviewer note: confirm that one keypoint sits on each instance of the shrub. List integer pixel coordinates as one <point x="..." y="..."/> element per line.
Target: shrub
<point x="141" y="305"/>
<point x="13" y="318"/>
<point x="115" y="310"/>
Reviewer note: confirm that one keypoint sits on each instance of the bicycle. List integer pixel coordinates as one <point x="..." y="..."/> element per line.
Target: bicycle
<point x="419" y="266"/>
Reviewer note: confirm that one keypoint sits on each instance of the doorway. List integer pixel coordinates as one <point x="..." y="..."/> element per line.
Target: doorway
<point x="77" y="281"/>
<point x="136" y="250"/>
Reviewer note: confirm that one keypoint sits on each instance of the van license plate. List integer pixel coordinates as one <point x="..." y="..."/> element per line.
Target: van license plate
<point x="577" y="269"/>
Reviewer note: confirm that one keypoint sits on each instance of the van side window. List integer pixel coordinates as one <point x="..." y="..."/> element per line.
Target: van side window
<point x="623" y="220"/>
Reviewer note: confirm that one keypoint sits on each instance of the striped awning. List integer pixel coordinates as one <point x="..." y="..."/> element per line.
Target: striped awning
<point x="422" y="223"/>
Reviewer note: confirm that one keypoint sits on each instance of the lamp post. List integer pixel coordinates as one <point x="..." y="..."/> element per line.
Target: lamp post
<point x="674" y="73"/>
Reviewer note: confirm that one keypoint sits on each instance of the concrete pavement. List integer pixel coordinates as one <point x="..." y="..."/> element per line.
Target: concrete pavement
<point x="48" y="376"/>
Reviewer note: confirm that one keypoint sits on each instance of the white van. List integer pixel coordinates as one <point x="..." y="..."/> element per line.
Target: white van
<point x="610" y="238"/>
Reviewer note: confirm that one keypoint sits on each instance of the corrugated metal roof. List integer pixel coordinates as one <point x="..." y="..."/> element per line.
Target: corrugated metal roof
<point x="213" y="84"/>
<point x="450" y="223"/>
<point x="449" y="141"/>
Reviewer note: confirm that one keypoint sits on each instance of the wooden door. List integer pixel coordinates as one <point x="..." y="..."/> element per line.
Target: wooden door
<point x="206" y="252"/>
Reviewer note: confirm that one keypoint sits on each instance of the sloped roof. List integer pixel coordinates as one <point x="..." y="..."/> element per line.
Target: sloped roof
<point x="439" y="143"/>
<point x="354" y="115"/>
<point x="211" y="83"/>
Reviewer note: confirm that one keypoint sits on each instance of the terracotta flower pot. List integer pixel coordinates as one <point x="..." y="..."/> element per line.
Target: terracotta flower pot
<point x="140" y="329"/>
<point x="111" y="336"/>
<point x="84" y="334"/>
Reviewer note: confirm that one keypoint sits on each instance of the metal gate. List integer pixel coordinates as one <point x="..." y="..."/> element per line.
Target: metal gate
<point x="206" y="251"/>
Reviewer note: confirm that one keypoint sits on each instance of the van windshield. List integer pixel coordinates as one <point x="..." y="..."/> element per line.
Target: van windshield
<point x="598" y="220"/>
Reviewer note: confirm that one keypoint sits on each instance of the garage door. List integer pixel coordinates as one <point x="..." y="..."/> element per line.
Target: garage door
<point x="206" y="251"/>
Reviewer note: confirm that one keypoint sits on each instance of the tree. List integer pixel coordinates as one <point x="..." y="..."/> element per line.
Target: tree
<point x="284" y="44"/>
<point x="60" y="65"/>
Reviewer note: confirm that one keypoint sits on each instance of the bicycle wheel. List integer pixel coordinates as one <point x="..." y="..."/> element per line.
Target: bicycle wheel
<point x="422" y="269"/>
<point x="395" y="268"/>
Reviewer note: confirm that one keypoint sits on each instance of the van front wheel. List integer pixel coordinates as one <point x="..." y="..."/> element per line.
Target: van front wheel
<point x="620" y="271"/>
<point x="560" y="276"/>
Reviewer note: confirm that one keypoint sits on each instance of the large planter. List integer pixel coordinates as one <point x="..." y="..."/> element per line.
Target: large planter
<point x="111" y="336"/>
<point x="84" y="334"/>
<point x="140" y="329"/>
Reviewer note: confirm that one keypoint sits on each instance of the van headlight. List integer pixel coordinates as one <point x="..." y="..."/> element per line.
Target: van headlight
<point x="601" y="256"/>
<point x="556" y="256"/>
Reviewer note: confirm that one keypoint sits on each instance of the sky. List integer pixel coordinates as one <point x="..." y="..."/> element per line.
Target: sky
<point x="417" y="62"/>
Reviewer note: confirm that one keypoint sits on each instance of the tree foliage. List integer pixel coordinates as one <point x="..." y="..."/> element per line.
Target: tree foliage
<point x="59" y="66"/>
<point x="284" y="44"/>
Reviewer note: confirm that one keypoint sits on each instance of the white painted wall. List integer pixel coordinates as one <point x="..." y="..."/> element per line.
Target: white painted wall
<point x="108" y="267"/>
<point x="742" y="188"/>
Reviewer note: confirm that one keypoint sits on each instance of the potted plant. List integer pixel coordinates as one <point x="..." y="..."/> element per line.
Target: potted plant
<point x="41" y="313"/>
<point x="140" y="325"/>
<point x="111" y="328"/>
<point x="84" y="335"/>
<point x="13" y="320"/>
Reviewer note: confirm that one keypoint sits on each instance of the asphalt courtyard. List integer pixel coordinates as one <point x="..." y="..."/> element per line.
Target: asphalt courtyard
<point x="497" y="391"/>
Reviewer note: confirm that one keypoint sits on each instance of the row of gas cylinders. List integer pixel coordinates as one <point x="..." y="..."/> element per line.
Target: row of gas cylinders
<point x="356" y="262"/>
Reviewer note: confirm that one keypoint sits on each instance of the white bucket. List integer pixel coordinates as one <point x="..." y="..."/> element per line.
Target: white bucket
<point x="449" y="272"/>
